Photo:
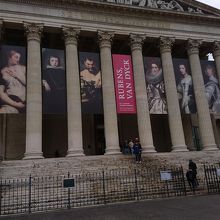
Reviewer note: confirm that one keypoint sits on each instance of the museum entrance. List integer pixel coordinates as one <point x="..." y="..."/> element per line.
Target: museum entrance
<point x="93" y="134"/>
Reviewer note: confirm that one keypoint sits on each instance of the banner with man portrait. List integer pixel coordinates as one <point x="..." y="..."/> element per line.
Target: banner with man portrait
<point x="184" y="86"/>
<point x="155" y="85"/>
<point x="211" y="83"/>
<point x="91" y="84"/>
<point x="12" y="79"/>
<point x="53" y="81"/>
<point x="124" y="84"/>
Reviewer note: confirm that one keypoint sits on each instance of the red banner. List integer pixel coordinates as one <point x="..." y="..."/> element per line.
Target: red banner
<point x="124" y="84"/>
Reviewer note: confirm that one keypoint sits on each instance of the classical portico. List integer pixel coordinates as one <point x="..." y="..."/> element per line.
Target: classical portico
<point x="136" y="28"/>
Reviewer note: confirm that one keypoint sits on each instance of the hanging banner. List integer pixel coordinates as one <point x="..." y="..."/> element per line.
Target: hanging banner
<point x="12" y="79"/>
<point x="184" y="85"/>
<point x="211" y="83"/>
<point x="53" y="81"/>
<point x="91" y="83"/>
<point x="124" y="84"/>
<point x="155" y="85"/>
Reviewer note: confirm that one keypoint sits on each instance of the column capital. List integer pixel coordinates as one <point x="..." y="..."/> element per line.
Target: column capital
<point x="71" y="34"/>
<point x="136" y="41"/>
<point x="105" y="38"/>
<point x="166" y="44"/>
<point x="193" y="46"/>
<point x="33" y="31"/>
<point x="216" y="48"/>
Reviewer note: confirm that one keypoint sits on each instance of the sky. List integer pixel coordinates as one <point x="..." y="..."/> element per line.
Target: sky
<point x="213" y="3"/>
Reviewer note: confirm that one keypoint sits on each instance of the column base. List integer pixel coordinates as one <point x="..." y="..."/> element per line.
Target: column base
<point x="148" y="149"/>
<point x="180" y="148"/>
<point x="211" y="147"/>
<point x="112" y="151"/>
<point x="75" y="153"/>
<point x="31" y="156"/>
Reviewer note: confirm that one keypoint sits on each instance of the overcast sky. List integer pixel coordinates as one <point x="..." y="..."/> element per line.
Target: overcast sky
<point x="214" y="3"/>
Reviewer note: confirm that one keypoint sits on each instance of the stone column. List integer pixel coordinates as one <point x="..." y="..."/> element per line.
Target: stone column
<point x="174" y="116"/>
<point x="143" y="115"/>
<point x="74" y="116"/>
<point x="34" y="92"/>
<point x="205" y="124"/>
<point x="216" y="53"/>
<point x="108" y="90"/>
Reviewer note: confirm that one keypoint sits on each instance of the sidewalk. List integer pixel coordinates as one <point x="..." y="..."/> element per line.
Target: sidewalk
<point x="185" y="208"/>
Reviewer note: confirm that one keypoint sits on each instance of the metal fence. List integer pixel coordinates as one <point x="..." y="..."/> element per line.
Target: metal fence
<point x="37" y="194"/>
<point x="212" y="176"/>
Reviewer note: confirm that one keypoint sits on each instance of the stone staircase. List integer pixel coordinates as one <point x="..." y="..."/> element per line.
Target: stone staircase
<point x="61" y="166"/>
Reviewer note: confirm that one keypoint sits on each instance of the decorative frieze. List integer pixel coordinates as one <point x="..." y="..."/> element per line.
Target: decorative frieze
<point x="33" y="31"/>
<point x="105" y="38"/>
<point x="71" y="35"/>
<point x="136" y="41"/>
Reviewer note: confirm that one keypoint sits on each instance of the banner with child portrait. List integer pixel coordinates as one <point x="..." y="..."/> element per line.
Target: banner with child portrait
<point x="53" y="81"/>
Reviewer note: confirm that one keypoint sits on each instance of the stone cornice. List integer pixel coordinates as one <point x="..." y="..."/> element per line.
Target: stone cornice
<point x="94" y="5"/>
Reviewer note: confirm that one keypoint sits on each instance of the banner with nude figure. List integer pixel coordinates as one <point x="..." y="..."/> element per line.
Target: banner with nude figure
<point x="91" y="83"/>
<point x="124" y="84"/>
<point x="212" y="90"/>
<point x="53" y="81"/>
<point x="184" y="85"/>
<point x="12" y="79"/>
<point x="155" y="85"/>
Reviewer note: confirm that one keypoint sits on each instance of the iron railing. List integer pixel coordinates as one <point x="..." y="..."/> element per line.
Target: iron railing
<point x="39" y="194"/>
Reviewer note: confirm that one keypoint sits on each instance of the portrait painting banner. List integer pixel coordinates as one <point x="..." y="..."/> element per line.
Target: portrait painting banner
<point x="155" y="85"/>
<point x="13" y="79"/>
<point x="184" y="86"/>
<point x="53" y="81"/>
<point x="91" y="84"/>
<point x="211" y="83"/>
<point x="124" y="84"/>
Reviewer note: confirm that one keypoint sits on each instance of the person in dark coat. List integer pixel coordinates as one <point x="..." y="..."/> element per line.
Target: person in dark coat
<point x="193" y="167"/>
<point x="137" y="150"/>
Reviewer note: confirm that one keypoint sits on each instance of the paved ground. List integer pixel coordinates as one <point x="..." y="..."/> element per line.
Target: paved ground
<point x="187" y="208"/>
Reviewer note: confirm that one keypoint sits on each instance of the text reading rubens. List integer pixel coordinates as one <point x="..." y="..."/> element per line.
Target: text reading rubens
<point x="124" y="84"/>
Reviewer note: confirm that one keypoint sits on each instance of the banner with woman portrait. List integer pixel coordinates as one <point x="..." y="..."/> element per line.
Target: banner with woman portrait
<point x="124" y="84"/>
<point x="184" y="86"/>
<point x="211" y="83"/>
<point x="155" y="85"/>
<point x="12" y="79"/>
<point x="53" y="81"/>
<point x="91" y="84"/>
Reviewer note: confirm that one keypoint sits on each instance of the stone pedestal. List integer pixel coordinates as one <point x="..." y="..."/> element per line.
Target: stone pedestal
<point x="205" y="124"/>
<point x="109" y="104"/>
<point x="74" y="115"/>
<point x="34" y="92"/>
<point x="143" y="116"/>
<point x="174" y="116"/>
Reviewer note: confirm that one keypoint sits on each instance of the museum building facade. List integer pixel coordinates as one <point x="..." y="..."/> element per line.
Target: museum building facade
<point x="82" y="77"/>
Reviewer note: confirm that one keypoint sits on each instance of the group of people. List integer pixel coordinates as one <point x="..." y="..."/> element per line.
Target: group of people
<point x="134" y="148"/>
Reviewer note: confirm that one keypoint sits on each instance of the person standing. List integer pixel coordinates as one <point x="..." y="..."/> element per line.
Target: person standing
<point x="137" y="150"/>
<point x="192" y="166"/>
